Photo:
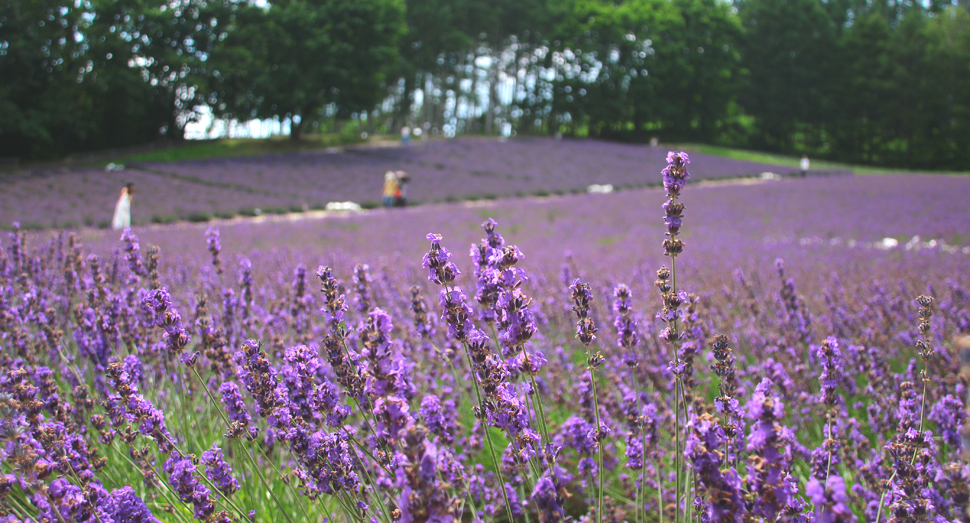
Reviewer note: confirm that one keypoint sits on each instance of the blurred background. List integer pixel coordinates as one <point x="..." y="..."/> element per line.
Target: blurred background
<point x="881" y="82"/>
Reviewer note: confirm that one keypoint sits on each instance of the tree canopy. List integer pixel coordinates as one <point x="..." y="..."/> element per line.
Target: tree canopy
<point x="877" y="81"/>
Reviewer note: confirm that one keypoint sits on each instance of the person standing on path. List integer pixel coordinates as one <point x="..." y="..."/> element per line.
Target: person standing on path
<point x="391" y="187"/>
<point x="122" y="217"/>
<point x="401" y="197"/>
<point x="804" y="165"/>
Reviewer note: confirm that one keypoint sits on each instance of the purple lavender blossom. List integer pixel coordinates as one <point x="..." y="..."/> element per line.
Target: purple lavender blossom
<point x="236" y="409"/>
<point x="158" y="306"/>
<point x="548" y="500"/>
<point x="132" y="254"/>
<point x="122" y="505"/>
<point x="720" y="491"/>
<point x="770" y="444"/>
<point x="675" y="175"/>
<point x="626" y="325"/>
<point x="219" y="471"/>
<point x="830" y="358"/>
<point x="950" y="416"/>
<point x="441" y="270"/>
<point x="182" y="478"/>
<point x="212" y="241"/>
<point x="830" y="500"/>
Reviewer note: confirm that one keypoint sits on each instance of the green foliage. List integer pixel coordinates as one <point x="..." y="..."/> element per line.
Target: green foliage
<point x="882" y="83"/>
<point x="300" y="56"/>
<point x="788" y="51"/>
<point x="242" y="147"/>
<point x="51" y="100"/>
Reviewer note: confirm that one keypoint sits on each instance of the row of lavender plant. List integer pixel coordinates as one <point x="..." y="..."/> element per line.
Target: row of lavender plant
<point x="134" y="394"/>
<point x="456" y="169"/>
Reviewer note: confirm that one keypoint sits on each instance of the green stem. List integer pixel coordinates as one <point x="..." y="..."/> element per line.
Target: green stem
<point x="488" y="437"/>
<point x="544" y="424"/>
<point x="922" y="411"/>
<point x="248" y="455"/>
<point x="461" y="399"/>
<point x="599" y="443"/>
<point x="212" y="486"/>
<point x="660" y="498"/>
<point x="370" y="481"/>
<point x="643" y="455"/>
<point x="690" y="477"/>
<point x="677" y="450"/>
<point x="828" y="468"/>
<point x="139" y="469"/>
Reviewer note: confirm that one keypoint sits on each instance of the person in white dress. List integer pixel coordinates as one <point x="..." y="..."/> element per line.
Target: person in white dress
<point x="122" y="217"/>
<point x="804" y="165"/>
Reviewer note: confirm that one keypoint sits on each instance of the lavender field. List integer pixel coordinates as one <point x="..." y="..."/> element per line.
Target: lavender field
<point x="442" y="170"/>
<point x="779" y="351"/>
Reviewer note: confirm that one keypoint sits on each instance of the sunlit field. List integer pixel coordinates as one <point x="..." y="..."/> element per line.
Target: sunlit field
<point x="774" y="351"/>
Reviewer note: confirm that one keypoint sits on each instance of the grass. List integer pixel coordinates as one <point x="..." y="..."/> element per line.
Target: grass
<point x="227" y="147"/>
<point x="792" y="161"/>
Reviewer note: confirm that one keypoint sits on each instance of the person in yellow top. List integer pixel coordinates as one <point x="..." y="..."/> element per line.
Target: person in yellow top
<point x="391" y="187"/>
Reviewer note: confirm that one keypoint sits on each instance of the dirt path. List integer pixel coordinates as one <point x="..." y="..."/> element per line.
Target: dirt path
<point x="310" y="215"/>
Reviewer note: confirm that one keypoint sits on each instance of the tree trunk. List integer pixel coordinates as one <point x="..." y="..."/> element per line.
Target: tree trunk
<point x="404" y="110"/>
<point x="472" y="98"/>
<point x="492" y="95"/>
<point x="296" y="130"/>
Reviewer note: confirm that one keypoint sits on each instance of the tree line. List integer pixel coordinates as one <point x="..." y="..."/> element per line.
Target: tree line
<point x="874" y="81"/>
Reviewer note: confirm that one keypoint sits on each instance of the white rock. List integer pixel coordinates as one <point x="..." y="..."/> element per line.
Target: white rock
<point x="343" y="206"/>
<point x="600" y="189"/>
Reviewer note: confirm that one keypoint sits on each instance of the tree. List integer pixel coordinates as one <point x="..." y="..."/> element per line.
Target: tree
<point x="318" y="53"/>
<point x="866" y="87"/>
<point x="42" y="63"/>
<point x="946" y="131"/>
<point x="788" y="50"/>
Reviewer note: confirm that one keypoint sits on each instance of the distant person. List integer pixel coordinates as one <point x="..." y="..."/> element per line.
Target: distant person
<point x="803" y="165"/>
<point x="391" y="187"/>
<point x="654" y="141"/>
<point x="426" y="126"/>
<point x="401" y="196"/>
<point x="122" y="217"/>
<point x="405" y="135"/>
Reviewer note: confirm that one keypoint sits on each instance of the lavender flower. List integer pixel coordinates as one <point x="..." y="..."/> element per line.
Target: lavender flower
<point x="182" y="478"/>
<point x="212" y="241"/>
<point x="950" y="416"/>
<point x="830" y="357"/>
<point x="675" y="177"/>
<point x="422" y="321"/>
<point x="123" y="505"/>
<point x="720" y="491"/>
<point x="236" y="408"/>
<point x="549" y="500"/>
<point x="335" y="305"/>
<point x="771" y="446"/>
<point x="362" y="300"/>
<point x="626" y="325"/>
<point x="132" y="254"/>
<point x="158" y="306"/>
<point x="727" y="402"/>
<point x="830" y="500"/>
<point x="441" y="270"/>
<point x="219" y="471"/>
